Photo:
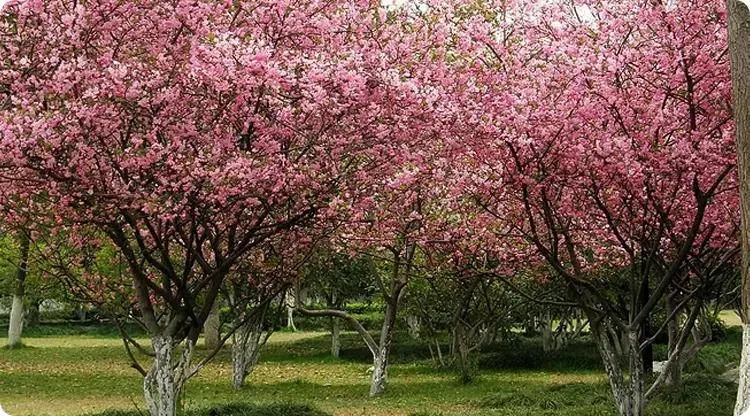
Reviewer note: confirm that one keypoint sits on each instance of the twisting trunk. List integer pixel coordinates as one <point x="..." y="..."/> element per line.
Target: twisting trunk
<point x="247" y="341"/>
<point x="335" y="337"/>
<point x="212" y="327"/>
<point x="739" y="54"/>
<point x="380" y="362"/>
<point x="166" y="378"/>
<point x="15" y="326"/>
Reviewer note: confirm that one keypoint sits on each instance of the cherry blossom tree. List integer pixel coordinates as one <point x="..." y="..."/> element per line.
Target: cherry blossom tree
<point x="611" y="155"/>
<point x="188" y="133"/>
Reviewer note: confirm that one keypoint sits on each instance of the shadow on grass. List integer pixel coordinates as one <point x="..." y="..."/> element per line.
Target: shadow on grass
<point x="528" y="354"/>
<point x="239" y="409"/>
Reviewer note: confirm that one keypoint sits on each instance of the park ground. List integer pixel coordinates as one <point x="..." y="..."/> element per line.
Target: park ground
<point x="84" y="370"/>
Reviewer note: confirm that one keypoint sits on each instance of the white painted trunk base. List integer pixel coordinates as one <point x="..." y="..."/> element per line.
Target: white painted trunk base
<point x="15" y="326"/>
<point x="379" y="377"/>
<point x="742" y="407"/>
<point x="166" y="378"/>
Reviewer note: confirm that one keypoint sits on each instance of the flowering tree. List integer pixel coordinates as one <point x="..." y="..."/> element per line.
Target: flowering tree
<point x="187" y="133"/>
<point x="611" y="155"/>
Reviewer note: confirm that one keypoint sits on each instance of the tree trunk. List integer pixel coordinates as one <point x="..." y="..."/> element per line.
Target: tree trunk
<point x="15" y="326"/>
<point x="413" y="325"/>
<point x="673" y="377"/>
<point x="463" y="351"/>
<point x="335" y="337"/>
<point x="166" y="378"/>
<point x="674" y="370"/>
<point x="212" y="326"/>
<point x="441" y="360"/>
<point x="743" y="392"/>
<point x="548" y="343"/>
<point x="32" y="315"/>
<point x="380" y="364"/>
<point x="291" y="301"/>
<point x="247" y="341"/>
<point x="637" y="375"/>
<point x="647" y="356"/>
<point x="628" y="395"/>
<point x="739" y="54"/>
<point x="80" y="312"/>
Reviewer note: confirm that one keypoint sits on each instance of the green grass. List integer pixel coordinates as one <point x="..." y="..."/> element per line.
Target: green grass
<point x="88" y="373"/>
<point x="239" y="409"/>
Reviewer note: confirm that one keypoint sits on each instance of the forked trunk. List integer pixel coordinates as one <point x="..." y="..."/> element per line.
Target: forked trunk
<point x="463" y="350"/>
<point x="166" y="378"/>
<point x="247" y="341"/>
<point x="628" y="394"/>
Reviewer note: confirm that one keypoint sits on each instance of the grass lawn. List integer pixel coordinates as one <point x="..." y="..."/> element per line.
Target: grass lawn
<point x="78" y="374"/>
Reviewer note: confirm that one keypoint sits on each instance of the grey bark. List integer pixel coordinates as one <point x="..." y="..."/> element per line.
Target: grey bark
<point x="674" y="369"/>
<point x="739" y="55"/>
<point x="212" y="326"/>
